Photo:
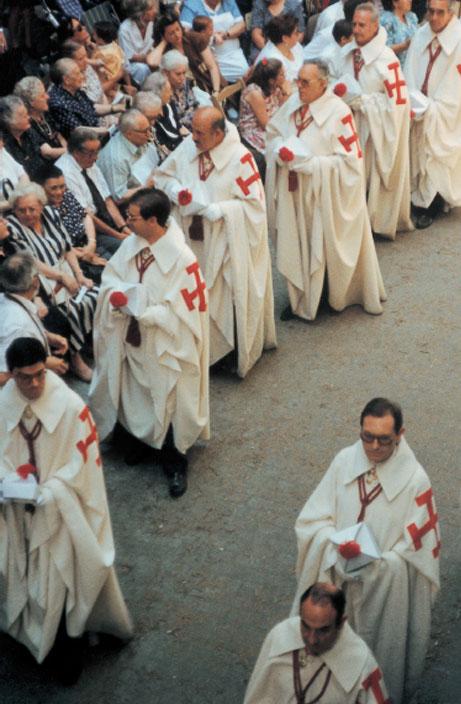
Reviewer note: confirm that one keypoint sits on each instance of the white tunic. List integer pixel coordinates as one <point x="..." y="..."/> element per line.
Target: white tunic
<point x="62" y="555"/>
<point x="388" y="601"/>
<point x="355" y="675"/>
<point x="322" y="226"/>
<point x="165" y="379"/>
<point x="382" y="115"/>
<point x="234" y="255"/>
<point x="435" y="137"/>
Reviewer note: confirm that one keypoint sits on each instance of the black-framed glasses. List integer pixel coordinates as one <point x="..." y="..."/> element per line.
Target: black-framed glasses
<point x="368" y="439"/>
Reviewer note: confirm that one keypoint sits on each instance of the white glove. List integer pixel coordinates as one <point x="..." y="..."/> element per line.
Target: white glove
<point x="212" y="212"/>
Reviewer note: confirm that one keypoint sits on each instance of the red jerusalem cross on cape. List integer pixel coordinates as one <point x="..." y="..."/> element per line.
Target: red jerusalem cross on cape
<point x="373" y="682"/>
<point x="255" y="176"/>
<point x="418" y="533"/>
<point x="347" y="141"/>
<point x="398" y="83"/>
<point x="189" y="297"/>
<point x="92" y="437"/>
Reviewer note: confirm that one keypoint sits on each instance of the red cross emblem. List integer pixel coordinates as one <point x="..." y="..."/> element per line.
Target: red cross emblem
<point x="399" y="83"/>
<point x="373" y="682"/>
<point x="255" y="176"/>
<point x="347" y="141"/>
<point x="418" y="533"/>
<point x="190" y="296"/>
<point x="83" y="445"/>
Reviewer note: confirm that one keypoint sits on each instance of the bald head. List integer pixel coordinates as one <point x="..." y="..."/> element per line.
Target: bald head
<point x="208" y="128"/>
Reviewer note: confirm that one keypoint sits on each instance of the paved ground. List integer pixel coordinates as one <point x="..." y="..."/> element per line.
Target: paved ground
<point x="206" y="576"/>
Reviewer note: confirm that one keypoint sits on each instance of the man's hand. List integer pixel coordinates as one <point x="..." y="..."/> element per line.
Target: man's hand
<point x="42" y="309"/>
<point x="57" y="365"/>
<point x="69" y="283"/>
<point x="84" y="281"/>
<point x="212" y="212"/>
<point x="58" y="343"/>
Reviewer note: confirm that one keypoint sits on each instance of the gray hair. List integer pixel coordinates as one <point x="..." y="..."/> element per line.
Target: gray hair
<point x="28" y="88"/>
<point x="371" y="8"/>
<point x="79" y="136"/>
<point x="135" y="9"/>
<point x="17" y="273"/>
<point x="27" y="189"/>
<point x="322" y="67"/>
<point x="128" y="120"/>
<point x="173" y="59"/>
<point x="155" y="82"/>
<point x="145" y="100"/>
<point x="8" y="105"/>
<point x="62" y="68"/>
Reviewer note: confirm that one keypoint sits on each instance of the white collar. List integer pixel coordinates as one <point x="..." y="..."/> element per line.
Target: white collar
<point x="225" y="151"/>
<point x="165" y="250"/>
<point x="49" y="408"/>
<point x="371" y="50"/>
<point x="448" y="37"/>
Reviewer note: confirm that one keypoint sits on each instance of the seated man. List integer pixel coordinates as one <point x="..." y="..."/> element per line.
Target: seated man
<point x="316" y="657"/>
<point x="152" y="358"/>
<point x="228" y="25"/>
<point x="18" y="315"/>
<point x="56" y="556"/>
<point x="316" y="201"/>
<point x="118" y="158"/>
<point x="378" y="480"/>
<point x="227" y="232"/>
<point x="86" y="181"/>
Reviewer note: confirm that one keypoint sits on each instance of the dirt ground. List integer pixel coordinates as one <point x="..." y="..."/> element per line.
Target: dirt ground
<point x="206" y="576"/>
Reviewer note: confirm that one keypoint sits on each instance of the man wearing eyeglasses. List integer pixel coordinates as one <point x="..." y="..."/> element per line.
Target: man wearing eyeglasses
<point x="57" y="576"/>
<point x="120" y="154"/>
<point x="379" y="481"/>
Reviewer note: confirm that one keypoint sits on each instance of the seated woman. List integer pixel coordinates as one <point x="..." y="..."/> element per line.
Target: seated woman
<point x="18" y="139"/>
<point x="34" y="96"/>
<point x="400" y="24"/>
<point x="203" y="66"/>
<point x="174" y="65"/>
<point x="11" y="173"/>
<point x="112" y="68"/>
<point x="262" y="13"/>
<point x="135" y="37"/>
<point x="75" y="219"/>
<point x="92" y="85"/>
<point x="70" y="107"/>
<point x="282" y="33"/>
<point x="167" y="126"/>
<point x="260" y="100"/>
<point x="38" y="228"/>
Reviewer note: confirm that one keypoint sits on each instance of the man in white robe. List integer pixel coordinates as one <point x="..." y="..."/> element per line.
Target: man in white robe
<point x="57" y="557"/>
<point x="382" y="115"/>
<point x="316" y="201"/>
<point x="152" y="350"/>
<point x="316" y="654"/>
<point x="378" y="480"/>
<point x="432" y="71"/>
<point x="227" y="230"/>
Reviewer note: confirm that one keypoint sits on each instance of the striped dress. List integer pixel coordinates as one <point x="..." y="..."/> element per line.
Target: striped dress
<point x="50" y="247"/>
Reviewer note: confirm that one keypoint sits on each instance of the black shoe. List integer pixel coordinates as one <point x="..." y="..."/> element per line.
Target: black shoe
<point x="137" y="452"/>
<point x="287" y="314"/>
<point x="177" y="483"/>
<point x="423" y="220"/>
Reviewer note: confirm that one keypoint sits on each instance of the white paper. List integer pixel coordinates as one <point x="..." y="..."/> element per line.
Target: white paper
<point x="81" y="293"/>
<point x="199" y="201"/>
<point x="354" y="89"/>
<point x="299" y="149"/>
<point x="143" y="168"/>
<point x="363" y="535"/>
<point x="19" y="489"/>
<point x="418" y="101"/>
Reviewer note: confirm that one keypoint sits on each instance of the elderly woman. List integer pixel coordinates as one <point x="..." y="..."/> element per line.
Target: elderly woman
<point x="262" y="13"/>
<point x="75" y="219"/>
<point x="11" y="173"/>
<point x="37" y="228"/>
<point x="203" y="66"/>
<point x="167" y="126"/>
<point x="151" y="107"/>
<point x="34" y="96"/>
<point x="135" y="37"/>
<point x="400" y="24"/>
<point x="69" y="105"/>
<point x="174" y="65"/>
<point x="260" y="100"/>
<point x="282" y="33"/>
<point x="18" y="139"/>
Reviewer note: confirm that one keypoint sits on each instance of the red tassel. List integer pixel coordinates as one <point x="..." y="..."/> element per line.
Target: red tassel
<point x="292" y="181"/>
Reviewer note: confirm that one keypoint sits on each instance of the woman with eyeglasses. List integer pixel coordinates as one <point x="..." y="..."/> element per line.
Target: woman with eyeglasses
<point x="37" y="228"/>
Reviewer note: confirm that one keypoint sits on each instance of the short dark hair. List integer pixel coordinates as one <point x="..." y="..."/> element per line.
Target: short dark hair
<point x="281" y="26"/>
<point x="46" y="171"/>
<point x="349" y="8"/>
<point x="379" y="407"/>
<point x="107" y="31"/>
<point x="219" y="124"/>
<point x="162" y="22"/>
<point x="69" y="47"/>
<point x="342" y="28"/>
<point x="323" y="593"/>
<point x="264" y="71"/>
<point x="152" y="202"/>
<point x="79" y="136"/>
<point x="24" y="352"/>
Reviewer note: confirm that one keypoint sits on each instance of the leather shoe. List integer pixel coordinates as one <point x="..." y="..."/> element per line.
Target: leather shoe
<point x="423" y="220"/>
<point x="287" y="314"/>
<point x="177" y="483"/>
